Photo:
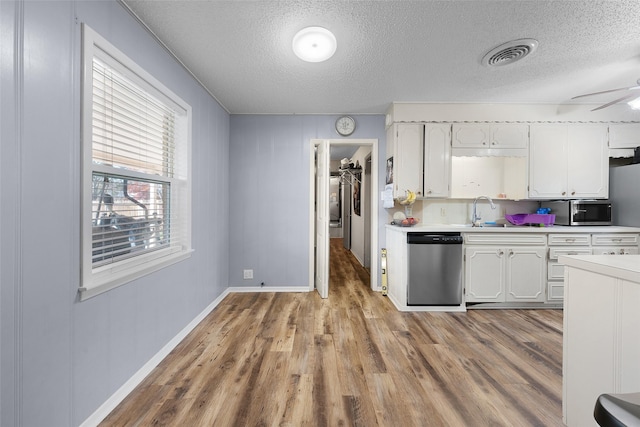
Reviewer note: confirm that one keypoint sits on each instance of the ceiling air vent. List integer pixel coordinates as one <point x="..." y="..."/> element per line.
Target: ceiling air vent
<point x="509" y="52"/>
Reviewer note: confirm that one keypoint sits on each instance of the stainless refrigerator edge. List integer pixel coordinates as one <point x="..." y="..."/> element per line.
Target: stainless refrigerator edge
<point x="624" y="194"/>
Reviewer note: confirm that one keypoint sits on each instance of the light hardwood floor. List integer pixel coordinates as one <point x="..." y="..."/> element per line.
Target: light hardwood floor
<point x="293" y="359"/>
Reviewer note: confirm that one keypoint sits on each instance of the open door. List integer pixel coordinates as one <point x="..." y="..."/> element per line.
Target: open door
<point x="322" y="220"/>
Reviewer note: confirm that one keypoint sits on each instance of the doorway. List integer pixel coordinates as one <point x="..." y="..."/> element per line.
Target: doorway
<point x="319" y="201"/>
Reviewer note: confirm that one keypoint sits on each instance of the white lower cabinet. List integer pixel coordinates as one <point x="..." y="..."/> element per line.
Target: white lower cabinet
<point x="484" y="274"/>
<point x="563" y="244"/>
<point x="583" y="244"/>
<point x="499" y="273"/>
<point x="624" y="250"/>
<point x="525" y="274"/>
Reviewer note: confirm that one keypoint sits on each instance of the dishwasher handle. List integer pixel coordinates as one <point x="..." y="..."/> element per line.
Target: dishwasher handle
<point x="434" y="239"/>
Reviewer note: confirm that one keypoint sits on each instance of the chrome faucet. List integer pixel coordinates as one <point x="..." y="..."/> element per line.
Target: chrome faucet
<point x="474" y="217"/>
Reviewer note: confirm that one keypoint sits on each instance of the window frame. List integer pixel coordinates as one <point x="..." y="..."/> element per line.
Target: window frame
<point x="96" y="280"/>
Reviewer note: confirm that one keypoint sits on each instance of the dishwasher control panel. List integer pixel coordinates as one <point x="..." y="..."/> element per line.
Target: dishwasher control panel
<point x="431" y="238"/>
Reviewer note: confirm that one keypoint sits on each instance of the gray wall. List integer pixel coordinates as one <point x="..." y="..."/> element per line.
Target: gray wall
<point x="269" y="200"/>
<point x="358" y="221"/>
<point x="60" y="359"/>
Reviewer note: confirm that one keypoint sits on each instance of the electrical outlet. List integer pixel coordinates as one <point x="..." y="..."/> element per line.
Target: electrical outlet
<point x="248" y="274"/>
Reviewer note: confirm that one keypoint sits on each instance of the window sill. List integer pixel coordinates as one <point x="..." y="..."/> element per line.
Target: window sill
<point x="126" y="277"/>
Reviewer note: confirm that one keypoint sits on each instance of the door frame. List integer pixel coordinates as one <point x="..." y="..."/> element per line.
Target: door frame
<point x="373" y="143"/>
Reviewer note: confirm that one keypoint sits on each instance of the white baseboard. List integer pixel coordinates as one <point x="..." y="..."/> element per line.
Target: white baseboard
<point x="268" y="289"/>
<point x="116" y="398"/>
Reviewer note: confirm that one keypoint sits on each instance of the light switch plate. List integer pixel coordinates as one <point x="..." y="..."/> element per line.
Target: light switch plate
<point x="248" y="274"/>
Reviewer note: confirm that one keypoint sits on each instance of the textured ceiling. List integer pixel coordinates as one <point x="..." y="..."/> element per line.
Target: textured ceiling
<point x="423" y="51"/>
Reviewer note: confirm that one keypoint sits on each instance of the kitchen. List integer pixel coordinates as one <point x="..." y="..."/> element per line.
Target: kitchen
<point x="536" y="156"/>
<point x="61" y="358"/>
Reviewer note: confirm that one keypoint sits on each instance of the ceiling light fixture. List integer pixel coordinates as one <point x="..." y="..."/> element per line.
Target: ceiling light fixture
<point x="314" y="44"/>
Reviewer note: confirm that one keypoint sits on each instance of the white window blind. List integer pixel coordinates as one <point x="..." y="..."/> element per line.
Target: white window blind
<point x="131" y="129"/>
<point x="136" y="213"/>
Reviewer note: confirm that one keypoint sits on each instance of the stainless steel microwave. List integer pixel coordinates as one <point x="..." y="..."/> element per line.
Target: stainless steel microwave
<point x="580" y="212"/>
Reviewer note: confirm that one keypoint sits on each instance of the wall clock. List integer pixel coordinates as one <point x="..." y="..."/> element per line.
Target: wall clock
<point x="345" y="125"/>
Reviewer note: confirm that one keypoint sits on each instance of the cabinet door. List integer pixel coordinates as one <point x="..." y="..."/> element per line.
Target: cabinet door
<point x="484" y="274"/>
<point x="471" y="136"/>
<point x="437" y="160"/>
<point x="509" y="135"/>
<point x="548" y="161"/>
<point x="526" y="274"/>
<point x="588" y="161"/>
<point x="407" y="165"/>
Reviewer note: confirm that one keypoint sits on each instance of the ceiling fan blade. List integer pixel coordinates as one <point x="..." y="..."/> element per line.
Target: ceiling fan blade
<point x="606" y="91"/>
<point x="615" y="101"/>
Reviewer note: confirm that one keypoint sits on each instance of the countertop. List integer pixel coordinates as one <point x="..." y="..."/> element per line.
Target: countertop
<point x="462" y="228"/>
<point x="626" y="267"/>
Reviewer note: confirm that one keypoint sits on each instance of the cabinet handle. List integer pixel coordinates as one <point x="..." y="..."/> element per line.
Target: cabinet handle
<point x="510" y="253"/>
<point x="573" y="193"/>
<point x="564" y="193"/>
<point x="501" y="253"/>
<point x="493" y="143"/>
<point x="484" y="143"/>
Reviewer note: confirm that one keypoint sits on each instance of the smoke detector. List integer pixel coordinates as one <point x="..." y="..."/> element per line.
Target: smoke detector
<point x="509" y="52"/>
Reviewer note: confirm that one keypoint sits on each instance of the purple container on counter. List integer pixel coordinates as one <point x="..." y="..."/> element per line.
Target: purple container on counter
<point x="531" y="219"/>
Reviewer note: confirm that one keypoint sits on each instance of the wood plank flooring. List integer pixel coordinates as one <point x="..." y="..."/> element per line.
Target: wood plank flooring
<point x="293" y="359"/>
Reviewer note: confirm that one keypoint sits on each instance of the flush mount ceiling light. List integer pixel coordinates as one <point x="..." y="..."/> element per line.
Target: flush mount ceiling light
<point x="509" y="52"/>
<point x="314" y="44"/>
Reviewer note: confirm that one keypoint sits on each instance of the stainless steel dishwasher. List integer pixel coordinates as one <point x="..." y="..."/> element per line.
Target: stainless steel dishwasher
<point x="435" y="269"/>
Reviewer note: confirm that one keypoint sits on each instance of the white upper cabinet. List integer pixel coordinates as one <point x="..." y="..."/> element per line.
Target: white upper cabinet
<point x="624" y="135"/>
<point x="437" y="160"/>
<point x="568" y="161"/>
<point x="421" y="159"/>
<point x="588" y="174"/>
<point x="407" y="159"/>
<point x="511" y="135"/>
<point x="548" y="161"/>
<point x="490" y="135"/>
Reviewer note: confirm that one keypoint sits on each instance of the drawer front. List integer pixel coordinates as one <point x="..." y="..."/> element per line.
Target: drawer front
<point x="569" y="239"/>
<point x="508" y="239"/>
<point x="612" y="250"/>
<point x="555" y="252"/>
<point x="615" y="239"/>
<point x="555" y="271"/>
<point x="555" y="291"/>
